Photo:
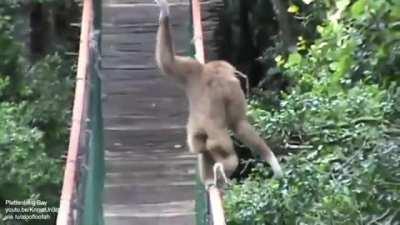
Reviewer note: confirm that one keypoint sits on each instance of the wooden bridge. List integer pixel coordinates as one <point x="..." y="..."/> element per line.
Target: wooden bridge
<point x="128" y="162"/>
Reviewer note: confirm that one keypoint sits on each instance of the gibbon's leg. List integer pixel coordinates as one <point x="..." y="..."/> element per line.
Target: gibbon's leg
<point x="197" y="142"/>
<point x="220" y="147"/>
<point x="206" y="163"/>
<point x="236" y="109"/>
<point x="212" y="147"/>
<point x="246" y="133"/>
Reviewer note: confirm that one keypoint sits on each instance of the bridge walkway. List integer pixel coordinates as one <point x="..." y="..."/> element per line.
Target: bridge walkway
<point x="150" y="176"/>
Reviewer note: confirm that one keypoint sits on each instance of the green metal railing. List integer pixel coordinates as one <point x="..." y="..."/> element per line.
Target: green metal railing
<point x="201" y="203"/>
<point x="95" y="170"/>
<point x="202" y="213"/>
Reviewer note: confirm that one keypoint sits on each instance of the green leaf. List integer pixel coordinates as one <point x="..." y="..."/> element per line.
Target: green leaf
<point x="294" y="58"/>
<point x="358" y="8"/>
<point x="293" y="9"/>
<point x="279" y="60"/>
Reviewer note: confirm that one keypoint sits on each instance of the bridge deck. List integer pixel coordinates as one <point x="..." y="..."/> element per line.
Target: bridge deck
<point x="149" y="172"/>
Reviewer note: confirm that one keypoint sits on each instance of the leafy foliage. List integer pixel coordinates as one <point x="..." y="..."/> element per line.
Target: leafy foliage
<point x="35" y="102"/>
<point x="338" y="123"/>
<point x="322" y="188"/>
<point x="49" y="88"/>
<point x="25" y="165"/>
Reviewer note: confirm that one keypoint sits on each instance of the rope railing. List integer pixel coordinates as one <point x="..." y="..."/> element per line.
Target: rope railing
<point x="215" y="203"/>
<point x="79" y="202"/>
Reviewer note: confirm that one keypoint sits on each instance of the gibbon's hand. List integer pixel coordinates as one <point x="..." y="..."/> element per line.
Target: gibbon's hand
<point x="164" y="9"/>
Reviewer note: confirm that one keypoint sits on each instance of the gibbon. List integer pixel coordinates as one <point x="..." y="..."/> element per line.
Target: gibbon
<point x="216" y="105"/>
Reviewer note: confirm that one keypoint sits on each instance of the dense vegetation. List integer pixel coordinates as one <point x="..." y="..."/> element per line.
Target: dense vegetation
<point x="337" y="120"/>
<point x="35" y="99"/>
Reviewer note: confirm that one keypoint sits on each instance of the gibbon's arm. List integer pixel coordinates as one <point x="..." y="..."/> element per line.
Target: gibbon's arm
<point x="174" y="66"/>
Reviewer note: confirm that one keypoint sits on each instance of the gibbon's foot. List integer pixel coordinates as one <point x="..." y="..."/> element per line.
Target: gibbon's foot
<point x="276" y="167"/>
<point x="219" y="175"/>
